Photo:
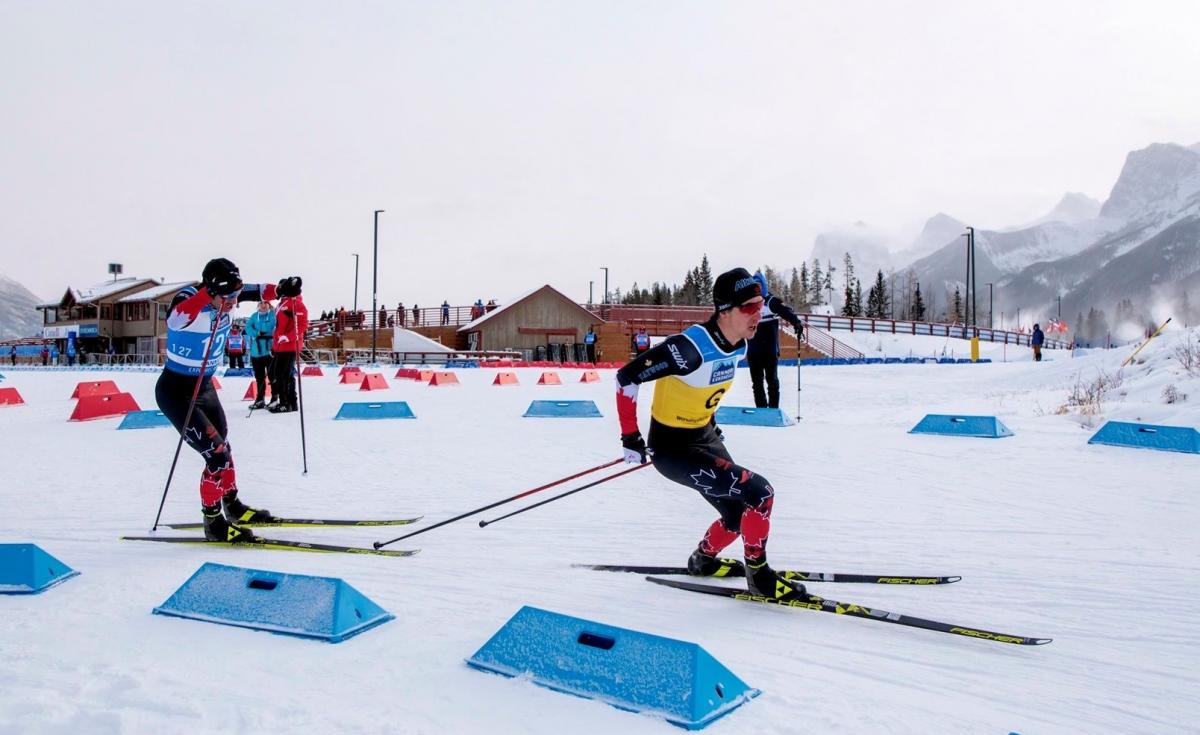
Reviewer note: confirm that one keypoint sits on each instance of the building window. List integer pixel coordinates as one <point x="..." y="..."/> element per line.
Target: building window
<point x="139" y="311"/>
<point x="118" y="311"/>
<point x="106" y="311"/>
<point x="51" y="316"/>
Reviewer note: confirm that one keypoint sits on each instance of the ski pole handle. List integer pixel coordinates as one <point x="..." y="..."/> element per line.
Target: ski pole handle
<point x="518" y="496"/>
<point x="635" y="468"/>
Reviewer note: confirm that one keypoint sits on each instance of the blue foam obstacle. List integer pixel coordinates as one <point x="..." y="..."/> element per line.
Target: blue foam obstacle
<point x="367" y="411"/>
<point x="143" y="420"/>
<point x="628" y="669"/>
<point x="1148" y="436"/>
<point x="26" y="569"/>
<point x="326" y="608"/>
<point x="988" y="427"/>
<point x="747" y="416"/>
<point x="562" y="410"/>
<point x="239" y="373"/>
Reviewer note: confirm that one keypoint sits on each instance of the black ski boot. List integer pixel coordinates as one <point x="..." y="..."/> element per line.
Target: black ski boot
<point x="702" y="565"/>
<point x="216" y="528"/>
<point x="238" y="512"/>
<point x="281" y="407"/>
<point x="764" y="581"/>
<point x="257" y="405"/>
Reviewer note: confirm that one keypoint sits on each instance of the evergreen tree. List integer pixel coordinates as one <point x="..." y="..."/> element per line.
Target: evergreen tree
<point x="858" y="304"/>
<point x="877" y="298"/>
<point x="687" y="293"/>
<point x="816" y="284"/>
<point x="804" y="296"/>
<point x="918" y="306"/>
<point x="848" y="273"/>
<point x="957" y="314"/>
<point x="1078" y="328"/>
<point x="828" y="285"/>
<point x="796" y="292"/>
<point x="848" y="300"/>
<point x="704" y="282"/>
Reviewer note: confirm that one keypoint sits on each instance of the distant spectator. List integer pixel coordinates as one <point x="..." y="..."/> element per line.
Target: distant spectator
<point x="235" y="346"/>
<point x="45" y="355"/>
<point x="445" y="313"/>
<point x="13" y="354"/>
<point x="1036" y="341"/>
<point x="416" y="315"/>
<point x="382" y="316"/>
<point x="260" y="333"/>
<point x="476" y="309"/>
<point x="641" y="341"/>
<point x="70" y="352"/>
<point x="111" y="351"/>
<point x="400" y="314"/>
<point x="491" y="305"/>
<point x="341" y="319"/>
<point x="589" y="342"/>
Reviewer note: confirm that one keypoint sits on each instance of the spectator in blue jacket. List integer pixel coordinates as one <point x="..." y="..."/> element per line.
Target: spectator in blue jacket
<point x="1036" y="341"/>
<point x="260" y="331"/>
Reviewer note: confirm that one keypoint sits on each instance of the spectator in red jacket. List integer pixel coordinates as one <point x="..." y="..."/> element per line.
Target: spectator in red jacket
<point x="291" y="321"/>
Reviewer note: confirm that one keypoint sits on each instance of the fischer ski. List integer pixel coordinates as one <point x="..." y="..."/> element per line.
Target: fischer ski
<point x="734" y="568"/>
<point x="275" y="545"/>
<point x="821" y="604"/>
<point x="305" y="523"/>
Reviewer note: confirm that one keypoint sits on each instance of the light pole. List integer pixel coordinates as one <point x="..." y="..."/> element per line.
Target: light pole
<point x="972" y="314"/>
<point x="1060" y="306"/>
<point x="355" y="281"/>
<point x="590" y="284"/>
<point x="604" y="300"/>
<point x="375" y="288"/>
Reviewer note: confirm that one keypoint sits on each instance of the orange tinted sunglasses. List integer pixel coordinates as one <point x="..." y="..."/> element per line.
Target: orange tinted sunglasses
<point x="750" y="308"/>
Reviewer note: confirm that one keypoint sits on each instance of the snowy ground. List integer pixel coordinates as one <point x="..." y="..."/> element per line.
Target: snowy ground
<point x="1093" y="546"/>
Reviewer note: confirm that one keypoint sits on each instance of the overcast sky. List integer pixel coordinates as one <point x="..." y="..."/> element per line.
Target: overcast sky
<point x="519" y="143"/>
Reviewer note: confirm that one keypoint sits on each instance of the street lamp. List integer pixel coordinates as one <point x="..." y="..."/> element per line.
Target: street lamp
<point x="375" y="288"/>
<point x="355" y="281"/>
<point x="590" y="284"/>
<point x="603" y="314"/>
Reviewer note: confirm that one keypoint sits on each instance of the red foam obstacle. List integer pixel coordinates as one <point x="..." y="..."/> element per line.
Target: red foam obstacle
<point x="252" y="391"/>
<point x="589" y="376"/>
<point x="313" y="370"/>
<point x="549" y="378"/>
<point x="99" y="407"/>
<point x="95" y="388"/>
<point x="424" y="375"/>
<point x="349" y="369"/>
<point x="443" y="378"/>
<point x="216" y="383"/>
<point x="351" y="376"/>
<point x="10" y="397"/>
<point x="506" y="379"/>
<point x="373" y="381"/>
<point x="407" y="374"/>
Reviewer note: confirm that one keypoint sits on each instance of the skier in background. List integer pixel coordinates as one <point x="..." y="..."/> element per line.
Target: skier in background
<point x="762" y="352"/>
<point x="694" y="369"/>
<point x="1036" y="340"/>
<point x="190" y="326"/>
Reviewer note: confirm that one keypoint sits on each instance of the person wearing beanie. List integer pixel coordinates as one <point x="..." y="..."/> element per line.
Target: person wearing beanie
<point x="694" y="369"/>
<point x="762" y="350"/>
<point x="291" y="322"/>
<point x="197" y="328"/>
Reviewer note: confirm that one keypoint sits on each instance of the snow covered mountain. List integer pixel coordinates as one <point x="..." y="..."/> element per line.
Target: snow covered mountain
<point x="1150" y="216"/>
<point x="18" y="315"/>
<point x="868" y="248"/>
<point x="1073" y="208"/>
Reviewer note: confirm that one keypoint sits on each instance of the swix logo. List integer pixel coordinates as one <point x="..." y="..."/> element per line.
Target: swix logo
<point x="722" y="371"/>
<point x="679" y="359"/>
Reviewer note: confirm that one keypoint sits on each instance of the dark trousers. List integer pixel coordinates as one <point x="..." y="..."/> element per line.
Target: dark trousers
<point x="285" y="382"/>
<point x="237" y="360"/>
<point x="765" y="368"/>
<point x="262" y="369"/>
<point x="205" y="431"/>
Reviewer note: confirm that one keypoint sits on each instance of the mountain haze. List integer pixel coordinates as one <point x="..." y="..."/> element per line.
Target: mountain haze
<point x="18" y="315"/>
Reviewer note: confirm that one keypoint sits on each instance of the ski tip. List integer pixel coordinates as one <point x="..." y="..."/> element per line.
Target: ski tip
<point x="1040" y="641"/>
<point x="950" y="580"/>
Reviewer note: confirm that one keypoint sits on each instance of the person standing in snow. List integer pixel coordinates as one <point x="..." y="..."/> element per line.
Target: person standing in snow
<point x="693" y="370"/>
<point x="762" y="352"/>
<point x="641" y="341"/>
<point x="260" y="332"/>
<point x="291" y="321"/>
<point x="236" y="347"/>
<point x="1036" y="341"/>
<point x="196" y="316"/>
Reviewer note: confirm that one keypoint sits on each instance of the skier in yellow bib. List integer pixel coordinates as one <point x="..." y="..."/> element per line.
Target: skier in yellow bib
<point x="694" y="369"/>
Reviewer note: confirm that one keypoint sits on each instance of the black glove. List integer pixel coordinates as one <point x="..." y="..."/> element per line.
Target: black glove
<point x="635" y="448"/>
<point x="799" y="327"/>
<point x="289" y="286"/>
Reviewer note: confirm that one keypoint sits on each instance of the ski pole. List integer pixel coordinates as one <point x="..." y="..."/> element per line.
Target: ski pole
<point x="636" y="467"/>
<point x="518" y="496"/>
<point x="300" y="395"/>
<point x="212" y="337"/>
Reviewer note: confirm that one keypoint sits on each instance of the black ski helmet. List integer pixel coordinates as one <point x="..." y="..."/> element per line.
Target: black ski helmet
<point x="221" y="277"/>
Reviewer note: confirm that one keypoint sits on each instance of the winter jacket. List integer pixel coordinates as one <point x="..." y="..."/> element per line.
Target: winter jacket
<point x="1038" y="338"/>
<point x="260" y="333"/>
<point x="291" y="321"/>
<point x="765" y="341"/>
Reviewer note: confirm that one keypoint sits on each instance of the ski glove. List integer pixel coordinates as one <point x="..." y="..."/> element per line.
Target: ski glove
<point x="635" y="448"/>
<point x="289" y="286"/>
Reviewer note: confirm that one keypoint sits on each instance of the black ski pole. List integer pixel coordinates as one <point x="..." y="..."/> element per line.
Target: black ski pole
<point x="485" y="524"/>
<point x="188" y="418"/>
<point x="518" y="496"/>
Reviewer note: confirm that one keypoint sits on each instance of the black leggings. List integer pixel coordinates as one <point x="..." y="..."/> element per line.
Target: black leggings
<point x="262" y="368"/>
<point x="765" y="367"/>
<point x="206" y="430"/>
<point x="284" y="380"/>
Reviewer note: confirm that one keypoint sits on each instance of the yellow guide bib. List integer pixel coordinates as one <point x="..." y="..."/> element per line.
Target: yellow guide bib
<point x="689" y="401"/>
